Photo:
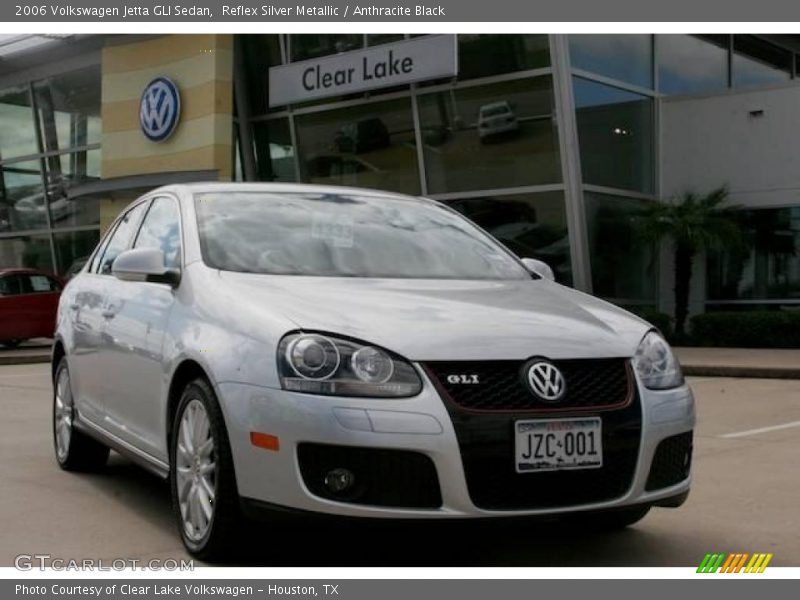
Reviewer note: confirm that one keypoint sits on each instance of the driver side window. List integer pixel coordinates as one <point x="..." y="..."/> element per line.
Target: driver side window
<point x="121" y="239"/>
<point x="161" y="230"/>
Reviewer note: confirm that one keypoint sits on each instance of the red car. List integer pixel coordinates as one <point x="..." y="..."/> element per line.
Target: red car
<point x="28" y="304"/>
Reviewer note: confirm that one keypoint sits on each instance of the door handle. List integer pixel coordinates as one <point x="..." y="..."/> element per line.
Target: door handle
<point x="109" y="313"/>
<point x="74" y="306"/>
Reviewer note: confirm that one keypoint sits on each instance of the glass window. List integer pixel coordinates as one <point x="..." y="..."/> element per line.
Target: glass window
<point x="305" y="46"/>
<point x="345" y="235"/>
<point x="161" y="229"/>
<point x="10" y="285"/>
<point x="274" y="152"/>
<point x="259" y="53"/>
<point x="690" y="64"/>
<point x="626" y="57"/>
<point x="65" y="171"/>
<point x="22" y="204"/>
<point x="482" y="55"/>
<point x="120" y="240"/>
<point x="767" y="266"/>
<point x="530" y="225"/>
<point x="503" y="135"/>
<point x="37" y="284"/>
<point x="73" y="250"/>
<point x="756" y="62"/>
<point x="370" y="145"/>
<point x="29" y="251"/>
<point x="69" y="109"/>
<point x="17" y="133"/>
<point x="615" y="131"/>
<point x="622" y="262"/>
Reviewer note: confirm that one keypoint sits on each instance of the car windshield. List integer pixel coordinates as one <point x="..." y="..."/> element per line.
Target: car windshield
<point x="345" y="235"/>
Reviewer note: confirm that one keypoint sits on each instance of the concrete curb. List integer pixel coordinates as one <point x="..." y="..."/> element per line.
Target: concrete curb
<point x="744" y="372"/>
<point x="24" y="359"/>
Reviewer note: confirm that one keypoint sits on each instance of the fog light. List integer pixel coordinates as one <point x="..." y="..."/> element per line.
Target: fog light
<point x="339" y="480"/>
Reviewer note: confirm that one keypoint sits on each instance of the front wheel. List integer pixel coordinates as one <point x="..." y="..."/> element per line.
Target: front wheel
<point x="204" y="496"/>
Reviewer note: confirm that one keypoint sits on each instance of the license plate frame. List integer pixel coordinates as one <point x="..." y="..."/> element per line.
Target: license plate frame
<point x="544" y="441"/>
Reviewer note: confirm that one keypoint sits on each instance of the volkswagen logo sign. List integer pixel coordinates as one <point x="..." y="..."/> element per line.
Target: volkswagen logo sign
<point x="159" y="109"/>
<point x="546" y="381"/>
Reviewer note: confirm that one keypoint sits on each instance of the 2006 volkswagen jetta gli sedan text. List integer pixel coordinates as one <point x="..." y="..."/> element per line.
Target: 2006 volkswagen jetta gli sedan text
<point x="357" y="353"/>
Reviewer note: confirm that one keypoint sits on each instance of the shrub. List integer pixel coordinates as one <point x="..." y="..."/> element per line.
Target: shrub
<point x="751" y="329"/>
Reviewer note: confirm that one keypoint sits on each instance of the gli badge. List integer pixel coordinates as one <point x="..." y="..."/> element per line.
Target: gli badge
<point x="463" y="379"/>
<point x="546" y="381"/>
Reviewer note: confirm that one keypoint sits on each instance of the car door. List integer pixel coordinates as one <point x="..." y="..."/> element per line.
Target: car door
<point x="135" y="411"/>
<point x="86" y="303"/>
<point x="12" y="322"/>
<point x="41" y="293"/>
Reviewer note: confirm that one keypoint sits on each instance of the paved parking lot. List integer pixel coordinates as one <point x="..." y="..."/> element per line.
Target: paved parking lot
<point x="745" y="498"/>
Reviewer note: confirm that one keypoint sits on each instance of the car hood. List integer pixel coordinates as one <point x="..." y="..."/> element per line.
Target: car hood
<point x="450" y="320"/>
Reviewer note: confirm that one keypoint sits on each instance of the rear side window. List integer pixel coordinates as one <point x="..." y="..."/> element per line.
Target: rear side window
<point x="120" y="240"/>
<point x="161" y="230"/>
<point x="9" y="285"/>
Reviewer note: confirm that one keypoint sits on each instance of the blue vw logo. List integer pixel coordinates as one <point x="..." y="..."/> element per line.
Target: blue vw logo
<point x="159" y="109"/>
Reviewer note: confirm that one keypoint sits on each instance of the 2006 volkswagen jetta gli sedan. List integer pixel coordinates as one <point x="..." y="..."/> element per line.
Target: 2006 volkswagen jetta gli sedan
<point x="357" y="353"/>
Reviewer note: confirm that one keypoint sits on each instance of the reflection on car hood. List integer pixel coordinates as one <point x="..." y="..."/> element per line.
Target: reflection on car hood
<point x="451" y="320"/>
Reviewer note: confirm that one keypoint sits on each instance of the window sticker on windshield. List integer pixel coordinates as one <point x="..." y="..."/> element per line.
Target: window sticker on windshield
<point x="335" y="229"/>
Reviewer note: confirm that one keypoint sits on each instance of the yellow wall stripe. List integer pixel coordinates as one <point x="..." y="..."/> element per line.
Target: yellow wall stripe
<point x="186" y="73"/>
<point x="152" y="53"/>
<point x="216" y="156"/>
<point x="198" y="101"/>
<point x="190" y="134"/>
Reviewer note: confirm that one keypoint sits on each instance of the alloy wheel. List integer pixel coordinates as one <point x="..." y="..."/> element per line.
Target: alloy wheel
<point x="63" y="415"/>
<point x="196" y="470"/>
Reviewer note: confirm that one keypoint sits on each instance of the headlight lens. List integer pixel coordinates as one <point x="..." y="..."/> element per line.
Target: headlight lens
<point x="655" y="363"/>
<point x="318" y="364"/>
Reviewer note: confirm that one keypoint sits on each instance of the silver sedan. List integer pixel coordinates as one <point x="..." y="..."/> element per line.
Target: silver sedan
<point x="357" y="353"/>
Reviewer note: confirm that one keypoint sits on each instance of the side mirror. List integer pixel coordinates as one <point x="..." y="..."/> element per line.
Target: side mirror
<point x="537" y="267"/>
<point x="144" y="264"/>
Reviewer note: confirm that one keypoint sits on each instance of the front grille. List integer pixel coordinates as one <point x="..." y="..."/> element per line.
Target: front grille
<point x="395" y="478"/>
<point x="671" y="462"/>
<point x="502" y="385"/>
<point x="486" y="441"/>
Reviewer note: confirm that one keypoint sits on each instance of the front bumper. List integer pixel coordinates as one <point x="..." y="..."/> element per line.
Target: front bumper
<point x="421" y="424"/>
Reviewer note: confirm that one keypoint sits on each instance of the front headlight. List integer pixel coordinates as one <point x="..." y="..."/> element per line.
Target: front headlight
<point x="314" y="363"/>
<point x="655" y="363"/>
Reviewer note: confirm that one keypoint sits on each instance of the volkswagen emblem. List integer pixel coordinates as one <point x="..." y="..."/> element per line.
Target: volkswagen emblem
<point x="546" y="381"/>
<point x="159" y="109"/>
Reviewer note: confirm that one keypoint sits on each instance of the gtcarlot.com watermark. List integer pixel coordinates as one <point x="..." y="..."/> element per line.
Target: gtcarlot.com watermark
<point x="30" y="562"/>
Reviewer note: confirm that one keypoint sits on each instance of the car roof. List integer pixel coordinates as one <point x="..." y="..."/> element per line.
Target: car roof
<point x="281" y="188"/>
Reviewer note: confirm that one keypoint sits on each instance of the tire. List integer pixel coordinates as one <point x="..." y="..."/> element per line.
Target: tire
<point x="74" y="450"/>
<point x="11" y="344"/>
<point x="205" y="500"/>
<point x="611" y="520"/>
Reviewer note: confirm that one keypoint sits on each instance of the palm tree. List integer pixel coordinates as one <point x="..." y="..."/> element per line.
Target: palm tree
<point x="693" y="222"/>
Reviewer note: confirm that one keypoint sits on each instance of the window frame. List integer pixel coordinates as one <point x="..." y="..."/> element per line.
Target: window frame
<point x="102" y="247"/>
<point x="152" y="200"/>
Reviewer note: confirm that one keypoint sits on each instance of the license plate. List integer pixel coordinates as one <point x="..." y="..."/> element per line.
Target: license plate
<point x="558" y="444"/>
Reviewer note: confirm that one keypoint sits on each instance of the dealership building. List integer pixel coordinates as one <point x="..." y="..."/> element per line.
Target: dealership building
<point x="552" y="143"/>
